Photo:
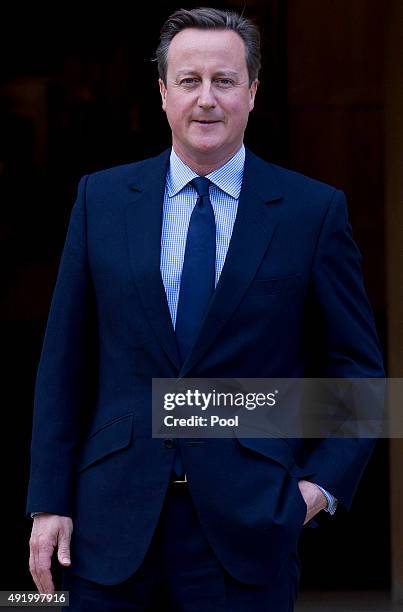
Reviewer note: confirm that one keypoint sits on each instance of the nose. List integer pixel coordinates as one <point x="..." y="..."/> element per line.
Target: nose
<point x="206" y="96"/>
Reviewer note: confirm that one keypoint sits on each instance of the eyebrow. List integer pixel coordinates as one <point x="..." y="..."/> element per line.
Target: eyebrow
<point x="218" y="73"/>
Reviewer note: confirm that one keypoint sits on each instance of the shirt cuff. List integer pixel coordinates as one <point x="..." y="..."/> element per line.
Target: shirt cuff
<point x="331" y="501"/>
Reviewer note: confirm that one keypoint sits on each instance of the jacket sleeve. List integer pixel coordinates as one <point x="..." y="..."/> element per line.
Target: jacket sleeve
<point x="65" y="380"/>
<point x="349" y="347"/>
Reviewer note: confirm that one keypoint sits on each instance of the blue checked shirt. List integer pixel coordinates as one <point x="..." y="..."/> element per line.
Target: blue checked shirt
<point x="179" y="200"/>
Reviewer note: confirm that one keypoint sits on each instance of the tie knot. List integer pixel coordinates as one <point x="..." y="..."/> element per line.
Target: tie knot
<point x="201" y="184"/>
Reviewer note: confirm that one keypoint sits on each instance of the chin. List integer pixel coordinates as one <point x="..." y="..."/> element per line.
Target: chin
<point x="206" y="147"/>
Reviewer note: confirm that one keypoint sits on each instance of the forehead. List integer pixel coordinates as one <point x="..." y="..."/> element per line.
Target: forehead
<point x="194" y="48"/>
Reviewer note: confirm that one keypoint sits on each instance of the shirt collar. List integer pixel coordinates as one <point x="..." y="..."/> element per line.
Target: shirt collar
<point x="228" y="177"/>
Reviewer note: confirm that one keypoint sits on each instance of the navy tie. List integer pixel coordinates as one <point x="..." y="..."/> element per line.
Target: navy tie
<point x="198" y="277"/>
<point x="198" y="272"/>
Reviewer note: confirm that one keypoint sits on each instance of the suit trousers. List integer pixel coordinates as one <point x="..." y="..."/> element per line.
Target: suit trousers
<point x="181" y="573"/>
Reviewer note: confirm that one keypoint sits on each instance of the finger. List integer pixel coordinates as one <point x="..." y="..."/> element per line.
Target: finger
<point x="32" y="568"/>
<point x="33" y="565"/>
<point x="63" y="553"/>
<point x="46" y="582"/>
<point x="44" y="565"/>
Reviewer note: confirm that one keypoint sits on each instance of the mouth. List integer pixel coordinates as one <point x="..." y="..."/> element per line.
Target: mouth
<point x="205" y="122"/>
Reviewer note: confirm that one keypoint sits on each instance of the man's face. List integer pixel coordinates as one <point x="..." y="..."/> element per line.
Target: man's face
<point x="207" y="98"/>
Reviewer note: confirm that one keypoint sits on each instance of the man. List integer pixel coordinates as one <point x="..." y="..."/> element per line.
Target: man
<point x="167" y="274"/>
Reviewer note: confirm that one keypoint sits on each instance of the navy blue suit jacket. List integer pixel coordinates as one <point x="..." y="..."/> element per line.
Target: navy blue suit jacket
<point x="292" y="274"/>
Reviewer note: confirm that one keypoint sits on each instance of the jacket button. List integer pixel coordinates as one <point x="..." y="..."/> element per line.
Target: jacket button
<point x="169" y="443"/>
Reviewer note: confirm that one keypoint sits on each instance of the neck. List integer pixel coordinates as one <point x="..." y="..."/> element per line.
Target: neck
<point x="203" y="166"/>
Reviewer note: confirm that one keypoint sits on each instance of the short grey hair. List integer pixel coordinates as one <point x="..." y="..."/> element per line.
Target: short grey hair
<point x="206" y="18"/>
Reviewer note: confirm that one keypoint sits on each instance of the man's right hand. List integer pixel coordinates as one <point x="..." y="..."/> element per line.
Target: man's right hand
<point x="49" y="531"/>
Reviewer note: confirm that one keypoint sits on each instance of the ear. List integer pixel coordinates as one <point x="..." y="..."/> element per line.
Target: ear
<point x="163" y="92"/>
<point x="252" y="94"/>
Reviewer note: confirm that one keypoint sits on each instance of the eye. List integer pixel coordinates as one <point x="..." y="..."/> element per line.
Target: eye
<point x="189" y="81"/>
<point x="225" y="82"/>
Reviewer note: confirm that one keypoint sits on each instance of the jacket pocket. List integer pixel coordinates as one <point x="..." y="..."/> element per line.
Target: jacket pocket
<point x="276" y="449"/>
<point x="273" y="286"/>
<point x="108" y="439"/>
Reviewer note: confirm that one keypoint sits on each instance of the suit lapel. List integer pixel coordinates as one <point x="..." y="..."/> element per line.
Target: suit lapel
<point x="144" y="223"/>
<point x="254" y="228"/>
